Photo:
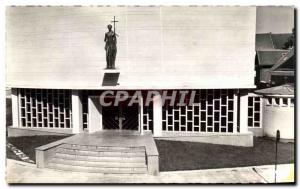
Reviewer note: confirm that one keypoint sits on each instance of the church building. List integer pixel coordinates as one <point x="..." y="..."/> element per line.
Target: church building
<point x="56" y="66"/>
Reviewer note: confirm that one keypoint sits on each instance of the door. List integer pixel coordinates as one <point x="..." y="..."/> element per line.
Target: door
<point x="110" y="117"/>
<point x="120" y="117"/>
<point x="130" y="115"/>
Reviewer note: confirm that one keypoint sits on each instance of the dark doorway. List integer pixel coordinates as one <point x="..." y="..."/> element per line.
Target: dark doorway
<point x="120" y="117"/>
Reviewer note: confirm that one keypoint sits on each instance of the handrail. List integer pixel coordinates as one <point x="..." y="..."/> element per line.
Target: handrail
<point x="105" y="146"/>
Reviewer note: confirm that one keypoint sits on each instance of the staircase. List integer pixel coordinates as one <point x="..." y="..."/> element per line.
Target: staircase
<point x="99" y="159"/>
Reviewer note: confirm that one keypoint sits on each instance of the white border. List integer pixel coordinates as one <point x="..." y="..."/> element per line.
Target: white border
<point x="103" y="2"/>
<point x="151" y="2"/>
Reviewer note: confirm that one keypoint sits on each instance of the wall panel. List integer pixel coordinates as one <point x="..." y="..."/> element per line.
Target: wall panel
<point x="158" y="47"/>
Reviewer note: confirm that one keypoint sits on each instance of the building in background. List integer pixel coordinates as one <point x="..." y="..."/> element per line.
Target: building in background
<point x="272" y="51"/>
<point x="275" y="76"/>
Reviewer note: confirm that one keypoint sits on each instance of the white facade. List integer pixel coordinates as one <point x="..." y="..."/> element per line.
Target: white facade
<point x="158" y="47"/>
<point x="56" y="64"/>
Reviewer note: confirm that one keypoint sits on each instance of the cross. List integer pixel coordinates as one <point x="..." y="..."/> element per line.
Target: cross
<point x="114" y="21"/>
<point x="120" y="118"/>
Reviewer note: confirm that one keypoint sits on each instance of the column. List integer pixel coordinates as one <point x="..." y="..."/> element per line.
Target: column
<point x="15" y="107"/>
<point x="95" y="115"/>
<point x="141" y="115"/>
<point x="235" y="111"/>
<point x="157" y="115"/>
<point x="243" y="111"/>
<point x="77" y="112"/>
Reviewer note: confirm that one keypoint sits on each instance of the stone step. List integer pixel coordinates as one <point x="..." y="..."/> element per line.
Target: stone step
<point x="104" y="148"/>
<point x="100" y="153"/>
<point x="110" y="170"/>
<point x="75" y="162"/>
<point x="120" y="159"/>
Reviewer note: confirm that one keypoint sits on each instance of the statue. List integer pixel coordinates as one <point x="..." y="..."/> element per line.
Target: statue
<point x="111" y="46"/>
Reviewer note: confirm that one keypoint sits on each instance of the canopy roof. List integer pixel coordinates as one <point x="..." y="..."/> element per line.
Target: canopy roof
<point x="287" y="89"/>
<point x="269" y="58"/>
<point x="269" y="41"/>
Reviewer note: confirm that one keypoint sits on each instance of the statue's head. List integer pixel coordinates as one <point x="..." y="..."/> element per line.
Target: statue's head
<point x="109" y="26"/>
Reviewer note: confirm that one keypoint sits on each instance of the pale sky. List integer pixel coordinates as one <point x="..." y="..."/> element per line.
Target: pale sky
<point x="275" y="19"/>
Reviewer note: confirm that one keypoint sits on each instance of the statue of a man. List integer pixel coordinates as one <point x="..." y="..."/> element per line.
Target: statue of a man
<point x="110" y="47"/>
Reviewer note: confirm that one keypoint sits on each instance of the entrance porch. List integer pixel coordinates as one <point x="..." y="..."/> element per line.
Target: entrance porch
<point x="108" y="151"/>
<point x="214" y="114"/>
<point x="124" y="116"/>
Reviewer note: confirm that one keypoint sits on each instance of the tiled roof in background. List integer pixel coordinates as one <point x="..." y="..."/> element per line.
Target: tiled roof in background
<point x="287" y="89"/>
<point x="269" y="58"/>
<point x="280" y="39"/>
<point x="285" y="61"/>
<point x="263" y="42"/>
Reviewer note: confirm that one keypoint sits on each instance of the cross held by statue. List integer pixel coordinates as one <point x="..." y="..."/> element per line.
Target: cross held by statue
<point x="114" y="21"/>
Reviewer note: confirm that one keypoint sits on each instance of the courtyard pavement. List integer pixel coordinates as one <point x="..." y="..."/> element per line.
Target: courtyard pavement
<point x="21" y="172"/>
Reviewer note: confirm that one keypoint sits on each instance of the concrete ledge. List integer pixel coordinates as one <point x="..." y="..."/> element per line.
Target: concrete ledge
<point x="152" y="154"/>
<point x="19" y="131"/>
<point x="45" y="152"/>
<point x="259" y="132"/>
<point x="237" y="139"/>
<point x="153" y="165"/>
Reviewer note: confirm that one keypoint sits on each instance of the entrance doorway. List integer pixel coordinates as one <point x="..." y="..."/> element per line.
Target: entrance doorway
<point x="122" y="117"/>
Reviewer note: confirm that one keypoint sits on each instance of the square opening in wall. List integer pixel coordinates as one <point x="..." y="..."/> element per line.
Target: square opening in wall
<point x="250" y="101"/>
<point x="250" y="112"/>
<point x="182" y="110"/>
<point x="190" y="126"/>
<point x="284" y="101"/>
<point x="216" y="127"/>
<point x="176" y="126"/>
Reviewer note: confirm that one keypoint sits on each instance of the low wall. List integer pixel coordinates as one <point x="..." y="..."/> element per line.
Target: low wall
<point x="279" y="118"/>
<point x="258" y="132"/>
<point x="17" y="131"/>
<point x="238" y="139"/>
<point x="45" y="152"/>
<point x="8" y="112"/>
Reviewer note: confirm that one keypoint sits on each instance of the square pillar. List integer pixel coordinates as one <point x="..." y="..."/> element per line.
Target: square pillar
<point x="15" y="107"/>
<point x="157" y="115"/>
<point x="153" y="164"/>
<point x="141" y="115"/>
<point x="95" y="115"/>
<point x="235" y="111"/>
<point x="77" y="118"/>
<point x="243" y="111"/>
<point x="40" y="158"/>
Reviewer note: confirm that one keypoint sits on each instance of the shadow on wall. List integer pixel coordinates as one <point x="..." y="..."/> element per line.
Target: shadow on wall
<point x="110" y="79"/>
<point x="8" y="112"/>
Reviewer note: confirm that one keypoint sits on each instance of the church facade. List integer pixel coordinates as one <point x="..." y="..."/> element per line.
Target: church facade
<point x="195" y="64"/>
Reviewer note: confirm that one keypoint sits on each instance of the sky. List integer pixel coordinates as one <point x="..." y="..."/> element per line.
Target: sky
<point x="274" y="19"/>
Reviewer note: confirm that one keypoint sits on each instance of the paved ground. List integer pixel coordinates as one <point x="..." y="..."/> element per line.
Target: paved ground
<point x="21" y="172"/>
